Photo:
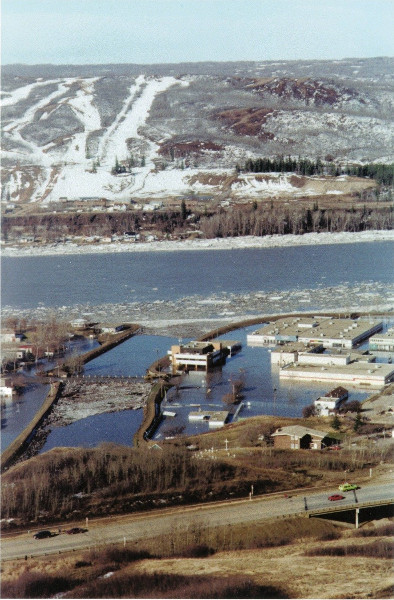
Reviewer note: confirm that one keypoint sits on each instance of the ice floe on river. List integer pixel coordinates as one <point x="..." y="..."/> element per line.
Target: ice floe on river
<point x="193" y="315"/>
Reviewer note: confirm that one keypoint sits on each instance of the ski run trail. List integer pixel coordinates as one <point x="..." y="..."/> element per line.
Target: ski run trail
<point x="65" y="170"/>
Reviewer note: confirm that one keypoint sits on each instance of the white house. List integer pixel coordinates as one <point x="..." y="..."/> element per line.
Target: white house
<point x="6" y="389"/>
<point x="7" y="336"/>
<point x="326" y="405"/>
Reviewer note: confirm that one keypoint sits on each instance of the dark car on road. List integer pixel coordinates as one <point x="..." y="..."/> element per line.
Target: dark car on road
<point x="335" y="497"/>
<point x="75" y="530"/>
<point x="40" y="535"/>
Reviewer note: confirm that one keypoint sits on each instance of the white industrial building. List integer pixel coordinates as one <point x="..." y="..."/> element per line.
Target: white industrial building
<point x="289" y="353"/>
<point x="356" y="373"/>
<point x="332" y="358"/>
<point x="383" y="342"/>
<point x="328" y="331"/>
<point x="197" y="355"/>
<point x="205" y="355"/>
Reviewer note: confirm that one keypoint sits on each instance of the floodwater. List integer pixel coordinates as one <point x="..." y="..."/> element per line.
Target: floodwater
<point x="16" y="415"/>
<point x="192" y="284"/>
<point x="264" y="393"/>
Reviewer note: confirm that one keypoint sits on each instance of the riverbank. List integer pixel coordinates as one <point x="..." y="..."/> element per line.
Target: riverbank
<point x="269" y="241"/>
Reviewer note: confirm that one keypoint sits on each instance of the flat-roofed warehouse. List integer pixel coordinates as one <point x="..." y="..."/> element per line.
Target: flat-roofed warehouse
<point x="357" y="373"/>
<point x="330" y="332"/>
<point x="383" y="342"/>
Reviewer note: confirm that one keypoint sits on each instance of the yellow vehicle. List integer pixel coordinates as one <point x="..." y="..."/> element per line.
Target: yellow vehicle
<point x="347" y="487"/>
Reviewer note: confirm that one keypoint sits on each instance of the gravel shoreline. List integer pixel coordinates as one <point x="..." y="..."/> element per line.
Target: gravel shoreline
<point x="269" y="241"/>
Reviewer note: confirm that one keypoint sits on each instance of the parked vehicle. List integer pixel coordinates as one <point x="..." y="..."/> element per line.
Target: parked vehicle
<point x="335" y="497"/>
<point x="347" y="487"/>
<point x="45" y="533"/>
<point x="75" y="530"/>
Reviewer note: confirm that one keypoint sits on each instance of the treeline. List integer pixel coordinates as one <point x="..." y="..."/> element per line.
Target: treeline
<point x="110" y="479"/>
<point x="48" y="484"/>
<point x="382" y="173"/>
<point x="302" y="166"/>
<point x="295" y="220"/>
<point x="257" y="220"/>
<point x="57" y="227"/>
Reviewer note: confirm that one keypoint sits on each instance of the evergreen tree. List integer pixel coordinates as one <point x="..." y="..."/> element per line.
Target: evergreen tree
<point x="357" y="422"/>
<point x="335" y="423"/>
<point x="183" y="210"/>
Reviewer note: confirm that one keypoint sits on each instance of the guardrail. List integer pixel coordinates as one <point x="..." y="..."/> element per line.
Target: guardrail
<point x="352" y="506"/>
<point x="361" y="509"/>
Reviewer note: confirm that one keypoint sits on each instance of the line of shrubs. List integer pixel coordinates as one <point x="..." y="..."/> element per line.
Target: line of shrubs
<point x="378" y="549"/>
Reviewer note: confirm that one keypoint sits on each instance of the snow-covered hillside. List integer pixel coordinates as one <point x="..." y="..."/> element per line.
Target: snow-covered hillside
<point x="183" y="132"/>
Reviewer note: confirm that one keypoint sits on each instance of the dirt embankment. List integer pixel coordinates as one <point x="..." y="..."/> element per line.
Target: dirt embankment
<point x="379" y="408"/>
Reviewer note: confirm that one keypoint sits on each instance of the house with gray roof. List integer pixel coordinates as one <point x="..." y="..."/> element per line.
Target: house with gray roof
<point x="296" y="437"/>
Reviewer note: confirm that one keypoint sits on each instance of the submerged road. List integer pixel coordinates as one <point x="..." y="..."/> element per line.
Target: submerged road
<point x="138" y="527"/>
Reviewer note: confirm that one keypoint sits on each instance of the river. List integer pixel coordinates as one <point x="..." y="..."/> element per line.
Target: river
<point x="206" y="284"/>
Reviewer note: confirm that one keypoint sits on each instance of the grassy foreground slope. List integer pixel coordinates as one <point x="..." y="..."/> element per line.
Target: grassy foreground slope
<point x="294" y="558"/>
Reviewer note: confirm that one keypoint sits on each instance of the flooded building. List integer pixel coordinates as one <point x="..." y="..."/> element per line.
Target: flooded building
<point x="201" y="355"/>
<point x="383" y="342"/>
<point x="328" y="404"/>
<point x="330" y="332"/>
<point x="356" y="373"/>
<point x="215" y="418"/>
<point x="6" y="390"/>
<point x="289" y="353"/>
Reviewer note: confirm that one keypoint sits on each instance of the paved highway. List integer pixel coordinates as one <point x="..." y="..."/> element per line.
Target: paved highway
<point x="145" y="525"/>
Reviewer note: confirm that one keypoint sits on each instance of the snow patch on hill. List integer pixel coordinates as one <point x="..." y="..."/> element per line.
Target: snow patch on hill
<point x="55" y="128"/>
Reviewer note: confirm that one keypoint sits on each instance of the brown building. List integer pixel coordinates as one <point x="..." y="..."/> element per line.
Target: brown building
<point x="296" y="437"/>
